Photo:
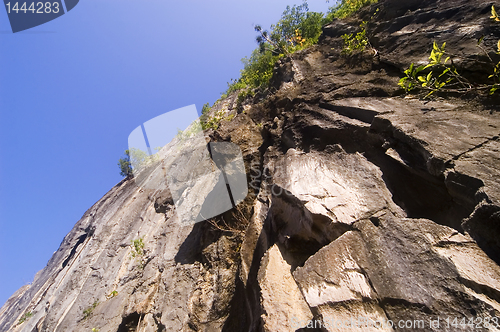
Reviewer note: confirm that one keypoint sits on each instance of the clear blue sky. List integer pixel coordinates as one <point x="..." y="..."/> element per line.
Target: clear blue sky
<point x="73" y="89"/>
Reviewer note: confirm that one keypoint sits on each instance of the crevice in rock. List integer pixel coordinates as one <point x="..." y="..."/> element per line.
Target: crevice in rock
<point x="298" y="231"/>
<point x="492" y="293"/>
<point x="357" y="113"/>
<point x="463" y="188"/>
<point x="191" y="249"/>
<point x="419" y="193"/>
<point x="484" y="227"/>
<point x="310" y="136"/>
<point x="163" y="201"/>
<point x="129" y="323"/>
<point x="393" y="302"/>
<point x="480" y="145"/>
<point x="160" y="327"/>
<point x="248" y="310"/>
<point x="420" y="197"/>
<point x="81" y="239"/>
<point x="238" y="317"/>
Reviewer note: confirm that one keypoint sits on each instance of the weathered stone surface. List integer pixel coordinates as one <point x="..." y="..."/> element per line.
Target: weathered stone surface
<point x="399" y="269"/>
<point x="282" y="302"/>
<point x="362" y="204"/>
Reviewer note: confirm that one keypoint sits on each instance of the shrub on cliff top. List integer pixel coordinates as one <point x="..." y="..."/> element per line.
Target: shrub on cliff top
<point x="346" y="8"/>
<point x="297" y="29"/>
<point x="125" y="165"/>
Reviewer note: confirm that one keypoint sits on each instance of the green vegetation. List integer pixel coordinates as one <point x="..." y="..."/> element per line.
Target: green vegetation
<point x="443" y="76"/>
<point x="348" y="8"/>
<point x="297" y="29"/>
<point x="355" y="43"/>
<point x="358" y="42"/>
<point x="25" y="317"/>
<point x="212" y="122"/>
<point x="194" y="128"/>
<point x="137" y="247"/>
<point x="135" y="159"/>
<point x="138" y="251"/>
<point x="88" y="312"/>
<point x="112" y="294"/>
<point x="95" y="329"/>
<point x="125" y="165"/>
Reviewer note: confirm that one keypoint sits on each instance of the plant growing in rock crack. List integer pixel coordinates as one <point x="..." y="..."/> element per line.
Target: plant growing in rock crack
<point x="213" y="122"/>
<point x="358" y="42"/>
<point x="25" y="317"/>
<point x="222" y="225"/>
<point x="137" y="247"/>
<point x="88" y="312"/>
<point x="112" y="294"/>
<point x="442" y="75"/>
<point x="355" y="43"/>
<point x="346" y="8"/>
<point x="138" y="251"/>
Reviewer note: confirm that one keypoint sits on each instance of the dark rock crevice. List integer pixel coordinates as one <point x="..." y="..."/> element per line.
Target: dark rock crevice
<point x="130" y="323"/>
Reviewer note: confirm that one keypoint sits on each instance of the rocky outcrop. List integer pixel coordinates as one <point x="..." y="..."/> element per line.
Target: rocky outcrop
<point x="367" y="210"/>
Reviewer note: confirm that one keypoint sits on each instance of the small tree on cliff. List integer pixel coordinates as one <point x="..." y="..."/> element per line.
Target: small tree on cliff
<point x="125" y="165"/>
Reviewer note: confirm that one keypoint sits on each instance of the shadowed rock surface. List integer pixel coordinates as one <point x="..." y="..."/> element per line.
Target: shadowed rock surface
<point x="362" y="204"/>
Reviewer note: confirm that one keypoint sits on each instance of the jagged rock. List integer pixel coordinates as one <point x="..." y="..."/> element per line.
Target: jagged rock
<point x="400" y="269"/>
<point x="336" y="286"/>
<point x="282" y="302"/>
<point x="361" y="203"/>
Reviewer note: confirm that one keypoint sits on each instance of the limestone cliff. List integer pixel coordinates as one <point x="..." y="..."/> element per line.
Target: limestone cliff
<point x="363" y="204"/>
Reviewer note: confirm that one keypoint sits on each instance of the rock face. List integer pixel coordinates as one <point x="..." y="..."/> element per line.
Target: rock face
<point x="366" y="210"/>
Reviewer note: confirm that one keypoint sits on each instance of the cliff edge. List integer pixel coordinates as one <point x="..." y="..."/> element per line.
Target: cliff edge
<point x="365" y="205"/>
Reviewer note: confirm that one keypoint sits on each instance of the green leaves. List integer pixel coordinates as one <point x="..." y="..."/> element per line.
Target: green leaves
<point x="439" y="75"/>
<point x="494" y="14"/>
<point x="410" y="82"/>
<point x="347" y="8"/>
<point x="436" y="54"/>
<point x="297" y="28"/>
<point x="355" y="43"/>
<point x="137" y="247"/>
<point x="88" y="312"/>
<point x="125" y="165"/>
<point x="25" y="317"/>
<point x="444" y="76"/>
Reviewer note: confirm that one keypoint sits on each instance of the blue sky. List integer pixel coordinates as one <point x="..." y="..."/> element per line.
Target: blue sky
<point x="73" y="89"/>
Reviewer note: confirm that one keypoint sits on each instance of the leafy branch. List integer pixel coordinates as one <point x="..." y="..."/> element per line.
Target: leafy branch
<point x="358" y="42"/>
<point x="444" y="76"/>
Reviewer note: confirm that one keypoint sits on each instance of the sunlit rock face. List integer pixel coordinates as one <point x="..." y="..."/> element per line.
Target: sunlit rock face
<point x="362" y="209"/>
